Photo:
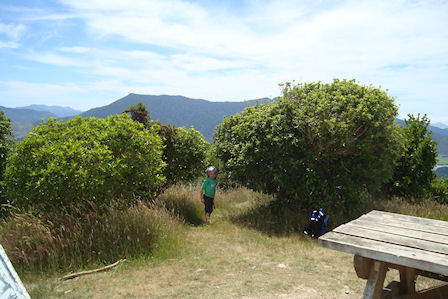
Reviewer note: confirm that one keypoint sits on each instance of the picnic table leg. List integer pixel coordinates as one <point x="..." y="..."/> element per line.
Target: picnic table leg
<point x="374" y="286"/>
<point x="407" y="280"/>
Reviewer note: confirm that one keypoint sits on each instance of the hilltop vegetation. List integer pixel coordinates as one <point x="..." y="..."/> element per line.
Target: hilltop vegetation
<point x="90" y="191"/>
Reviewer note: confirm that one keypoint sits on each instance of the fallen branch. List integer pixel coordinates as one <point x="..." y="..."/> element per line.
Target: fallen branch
<point x="74" y="275"/>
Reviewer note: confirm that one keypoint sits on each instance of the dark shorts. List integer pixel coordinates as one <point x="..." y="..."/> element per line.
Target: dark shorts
<point x="209" y="205"/>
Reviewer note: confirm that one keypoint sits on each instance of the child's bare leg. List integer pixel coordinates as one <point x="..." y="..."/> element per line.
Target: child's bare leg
<point x="207" y="218"/>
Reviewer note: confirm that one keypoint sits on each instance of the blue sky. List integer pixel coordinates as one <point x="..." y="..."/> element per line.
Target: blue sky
<point x="89" y="53"/>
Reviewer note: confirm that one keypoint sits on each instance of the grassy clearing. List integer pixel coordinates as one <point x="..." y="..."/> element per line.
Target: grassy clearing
<point x="236" y="256"/>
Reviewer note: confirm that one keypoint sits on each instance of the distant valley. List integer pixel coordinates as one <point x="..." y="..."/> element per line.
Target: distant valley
<point x="181" y="111"/>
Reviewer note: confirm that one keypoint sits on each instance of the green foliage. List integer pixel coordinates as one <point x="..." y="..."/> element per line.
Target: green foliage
<point x="320" y="144"/>
<point x="183" y="150"/>
<point x="439" y="190"/>
<point x="414" y="172"/>
<point x="59" y="164"/>
<point x="139" y="113"/>
<point x="5" y="147"/>
<point x="184" y="154"/>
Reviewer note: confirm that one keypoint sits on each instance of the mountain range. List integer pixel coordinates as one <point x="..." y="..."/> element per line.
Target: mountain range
<point x="181" y="111"/>
<point x="56" y="110"/>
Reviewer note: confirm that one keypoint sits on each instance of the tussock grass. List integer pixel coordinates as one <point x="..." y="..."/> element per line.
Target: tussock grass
<point x="183" y="202"/>
<point x="61" y="242"/>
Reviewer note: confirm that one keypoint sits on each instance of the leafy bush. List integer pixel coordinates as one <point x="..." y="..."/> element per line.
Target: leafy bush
<point x="5" y="147"/>
<point x="60" y="164"/>
<point x="439" y="190"/>
<point x="320" y="144"/>
<point x="414" y="172"/>
<point x="184" y="154"/>
<point x="184" y="151"/>
<point x="58" y="241"/>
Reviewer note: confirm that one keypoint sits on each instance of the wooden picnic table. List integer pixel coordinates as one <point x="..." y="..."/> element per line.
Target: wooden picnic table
<point x="381" y="240"/>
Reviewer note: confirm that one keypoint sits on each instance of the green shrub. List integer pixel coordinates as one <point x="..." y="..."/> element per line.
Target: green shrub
<point x="439" y="190"/>
<point x="414" y="172"/>
<point x="184" y="151"/>
<point x="320" y="144"/>
<point x="60" y="164"/>
<point x="58" y="241"/>
<point x="5" y="147"/>
<point x="184" y="154"/>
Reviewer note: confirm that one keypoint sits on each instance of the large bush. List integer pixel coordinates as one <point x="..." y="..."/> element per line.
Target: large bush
<point x="414" y="172"/>
<point x="319" y="144"/>
<point x="59" y="164"/>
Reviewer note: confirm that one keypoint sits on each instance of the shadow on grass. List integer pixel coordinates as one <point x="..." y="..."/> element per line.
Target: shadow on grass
<point x="280" y="218"/>
<point x="273" y="217"/>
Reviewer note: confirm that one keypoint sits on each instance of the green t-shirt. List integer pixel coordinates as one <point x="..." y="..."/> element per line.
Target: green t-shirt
<point x="209" y="186"/>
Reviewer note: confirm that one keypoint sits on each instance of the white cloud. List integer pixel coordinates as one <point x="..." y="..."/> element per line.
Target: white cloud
<point x="12" y="33"/>
<point x="9" y="44"/>
<point x="244" y="52"/>
<point x="57" y="59"/>
<point x="77" y="50"/>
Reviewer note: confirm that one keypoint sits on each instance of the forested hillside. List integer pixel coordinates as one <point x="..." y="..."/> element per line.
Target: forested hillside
<point x="177" y="110"/>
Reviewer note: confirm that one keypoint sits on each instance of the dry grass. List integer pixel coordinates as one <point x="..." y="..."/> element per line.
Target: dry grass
<point x="63" y="242"/>
<point x="237" y="256"/>
<point x="183" y="202"/>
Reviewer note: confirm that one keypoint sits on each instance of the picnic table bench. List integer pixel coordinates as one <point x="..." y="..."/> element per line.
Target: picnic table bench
<point x="381" y="240"/>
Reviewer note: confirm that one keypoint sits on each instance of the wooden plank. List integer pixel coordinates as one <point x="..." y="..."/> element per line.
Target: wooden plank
<point x="391" y="253"/>
<point x="405" y="224"/>
<point x="374" y="286"/>
<point x="401" y="230"/>
<point x="363" y="232"/>
<point x="410" y="219"/>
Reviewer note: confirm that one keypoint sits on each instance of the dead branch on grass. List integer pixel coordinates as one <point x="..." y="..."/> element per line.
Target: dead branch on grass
<point x="74" y="275"/>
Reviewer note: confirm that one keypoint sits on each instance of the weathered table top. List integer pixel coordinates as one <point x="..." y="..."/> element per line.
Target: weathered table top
<point x="408" y="241"/>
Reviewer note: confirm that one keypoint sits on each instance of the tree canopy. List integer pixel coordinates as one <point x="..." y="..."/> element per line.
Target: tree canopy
<point x="414" y="172"/>
<point x="319" y="144"/>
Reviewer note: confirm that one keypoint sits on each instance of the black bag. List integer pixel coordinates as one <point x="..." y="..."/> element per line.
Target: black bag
<point x="318" y="224"/>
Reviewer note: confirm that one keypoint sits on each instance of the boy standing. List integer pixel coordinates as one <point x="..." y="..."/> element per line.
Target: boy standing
<point x="208" y="192"/>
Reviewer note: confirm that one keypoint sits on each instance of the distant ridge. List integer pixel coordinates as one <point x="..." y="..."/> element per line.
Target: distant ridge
<point x="178" y="110"/>
<point x="24" y="115"/>
<point x="440" y="125"/>
<point x="57" y="110"/>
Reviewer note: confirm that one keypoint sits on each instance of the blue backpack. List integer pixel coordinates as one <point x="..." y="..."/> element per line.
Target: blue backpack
<point x="318" y="224"/>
